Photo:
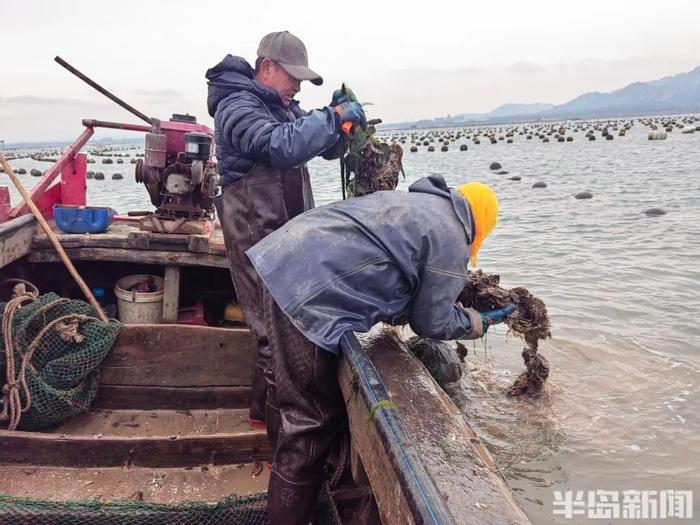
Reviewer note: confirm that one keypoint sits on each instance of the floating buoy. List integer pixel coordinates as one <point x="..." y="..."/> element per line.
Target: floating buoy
<point x="657" y="135"/>
<point x="99" y="176"/>
<point x="539" y="185"/>
<point x="463" y="147"/>
<point x="502" y="172"/>
<point x="516" y="177"/>
<point x="431" y="148"/>
<point x="413" y="149"/>
<point x="35" y="172"/>
<point x="655" y="212"/>
<point x="495" y="166"/>
<point x="584" y="195"/>
<point x="117" y="176"/>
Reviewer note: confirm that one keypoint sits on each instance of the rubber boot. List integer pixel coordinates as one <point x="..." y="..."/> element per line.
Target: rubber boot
<point x="272" y="417"/>
<point x="291" y="502"/>
<point x="257" y="412"/>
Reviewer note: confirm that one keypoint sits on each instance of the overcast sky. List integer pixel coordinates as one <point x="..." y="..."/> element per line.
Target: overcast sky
<point x="411" y="60"/>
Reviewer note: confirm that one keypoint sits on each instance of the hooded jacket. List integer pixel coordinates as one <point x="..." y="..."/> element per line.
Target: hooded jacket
<point x="253" y="126"/>
<point x="392" y="256"/>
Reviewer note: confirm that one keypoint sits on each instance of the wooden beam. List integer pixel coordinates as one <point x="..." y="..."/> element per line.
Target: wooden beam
<point x="36" y="448"/>
<point x="125" y="234"/>
<point x="171" y="294"/>
<point x="451" y="452"/>
<point x="133" y="256"/>
<point x="180" y="355"/>
<point x="16" y="238"/>
<point x="115" y="397"/>
<point x="382" y="476"/>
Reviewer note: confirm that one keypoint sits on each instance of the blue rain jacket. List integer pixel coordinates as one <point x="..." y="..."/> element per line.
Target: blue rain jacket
<point x="252" y="125"/>
<point x="392" y="256"/>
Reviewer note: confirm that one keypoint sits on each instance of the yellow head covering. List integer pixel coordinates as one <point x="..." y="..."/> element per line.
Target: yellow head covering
<point x="484" y="206"/>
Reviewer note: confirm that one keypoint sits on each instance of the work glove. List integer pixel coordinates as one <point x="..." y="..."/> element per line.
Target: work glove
<point x="482" y="320"/>
<point x="351" y="112"/>
<point x="338" y="98"/>
<point x="496" y="316"/>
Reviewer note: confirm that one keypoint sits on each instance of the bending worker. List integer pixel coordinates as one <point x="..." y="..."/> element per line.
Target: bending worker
<point x="263" y="141"/>
<point x="392" y="256"/>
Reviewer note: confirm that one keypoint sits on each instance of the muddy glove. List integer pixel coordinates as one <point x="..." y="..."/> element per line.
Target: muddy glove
<point x="352" y="112"/>
<point x="338" y="98"/>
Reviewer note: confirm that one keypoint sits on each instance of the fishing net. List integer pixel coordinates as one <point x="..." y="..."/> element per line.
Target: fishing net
<point x="50" y="351"/>
<point x="232" y="510"/>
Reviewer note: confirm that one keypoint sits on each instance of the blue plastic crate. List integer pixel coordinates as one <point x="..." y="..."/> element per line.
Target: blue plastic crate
<point x="82" y="219"/>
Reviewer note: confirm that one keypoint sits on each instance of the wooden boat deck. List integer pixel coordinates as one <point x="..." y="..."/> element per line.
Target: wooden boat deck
<point x="126" y="243"/>
<point x="169" y="422"/>
<point x="166" y="485"/>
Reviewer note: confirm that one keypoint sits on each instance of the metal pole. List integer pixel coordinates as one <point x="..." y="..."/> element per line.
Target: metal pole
<point x="102" y="90"/>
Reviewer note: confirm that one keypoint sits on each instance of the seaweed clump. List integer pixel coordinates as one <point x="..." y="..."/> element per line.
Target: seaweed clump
<point x="369" y="164"/>
<point x="530" y="321"/>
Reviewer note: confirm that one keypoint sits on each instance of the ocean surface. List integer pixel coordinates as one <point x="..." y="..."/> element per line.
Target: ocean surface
<point x="621" y="408"/>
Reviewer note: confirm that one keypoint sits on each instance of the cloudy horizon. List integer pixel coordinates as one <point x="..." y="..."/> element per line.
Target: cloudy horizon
<point x="412" y="62"/>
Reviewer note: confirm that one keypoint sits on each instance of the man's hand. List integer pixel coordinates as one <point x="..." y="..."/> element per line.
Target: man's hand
<point x="352" y="112"/>
<point x="496" y="316"/>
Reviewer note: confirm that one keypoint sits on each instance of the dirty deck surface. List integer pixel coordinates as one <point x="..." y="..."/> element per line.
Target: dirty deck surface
<point x="147" y="423"/>
<point x="206" y="483"/>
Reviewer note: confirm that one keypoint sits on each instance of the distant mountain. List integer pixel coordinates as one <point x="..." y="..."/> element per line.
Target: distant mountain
<point x="674" y="94"/>
<point x="677" y="93"/>
<point x="514" y="110"/>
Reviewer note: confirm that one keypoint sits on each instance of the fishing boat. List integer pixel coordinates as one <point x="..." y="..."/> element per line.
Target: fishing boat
<point x="167" y="438"/>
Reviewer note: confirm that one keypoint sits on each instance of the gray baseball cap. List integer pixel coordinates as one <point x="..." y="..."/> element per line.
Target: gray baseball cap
<point x="290" y="53"/>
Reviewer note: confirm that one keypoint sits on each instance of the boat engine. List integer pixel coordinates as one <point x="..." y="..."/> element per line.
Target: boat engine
<point x="178" y="168"/>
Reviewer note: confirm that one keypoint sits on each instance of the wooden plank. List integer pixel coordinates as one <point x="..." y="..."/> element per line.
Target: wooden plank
<point x="456" y="460"/>
<point x="180" y="355"/>
<point x="16" y="238"/>
<point x="115" y="397"/>
<point x="35" y="448"/>
<point x="156" y="423"/>
<point x="126" y="234"/>
<point x="156" y="485"/>
<point x="171" y="294"/>
<point x="133" y="256"/>
<point x="382" y="476"/>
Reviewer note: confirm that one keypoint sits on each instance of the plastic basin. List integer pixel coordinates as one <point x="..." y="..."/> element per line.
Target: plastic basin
<point x="82" y="219"/>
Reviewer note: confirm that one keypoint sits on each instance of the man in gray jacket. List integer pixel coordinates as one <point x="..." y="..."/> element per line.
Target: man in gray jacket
<point x="263" y="141"/>
<point x="392" y="256"/>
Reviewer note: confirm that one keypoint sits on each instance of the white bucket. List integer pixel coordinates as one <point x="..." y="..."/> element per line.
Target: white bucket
<point x="139" y="307"/>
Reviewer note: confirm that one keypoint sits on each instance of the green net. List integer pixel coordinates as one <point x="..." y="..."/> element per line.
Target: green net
<point x="62" y="343"/>
<point x="247" y="510"/>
